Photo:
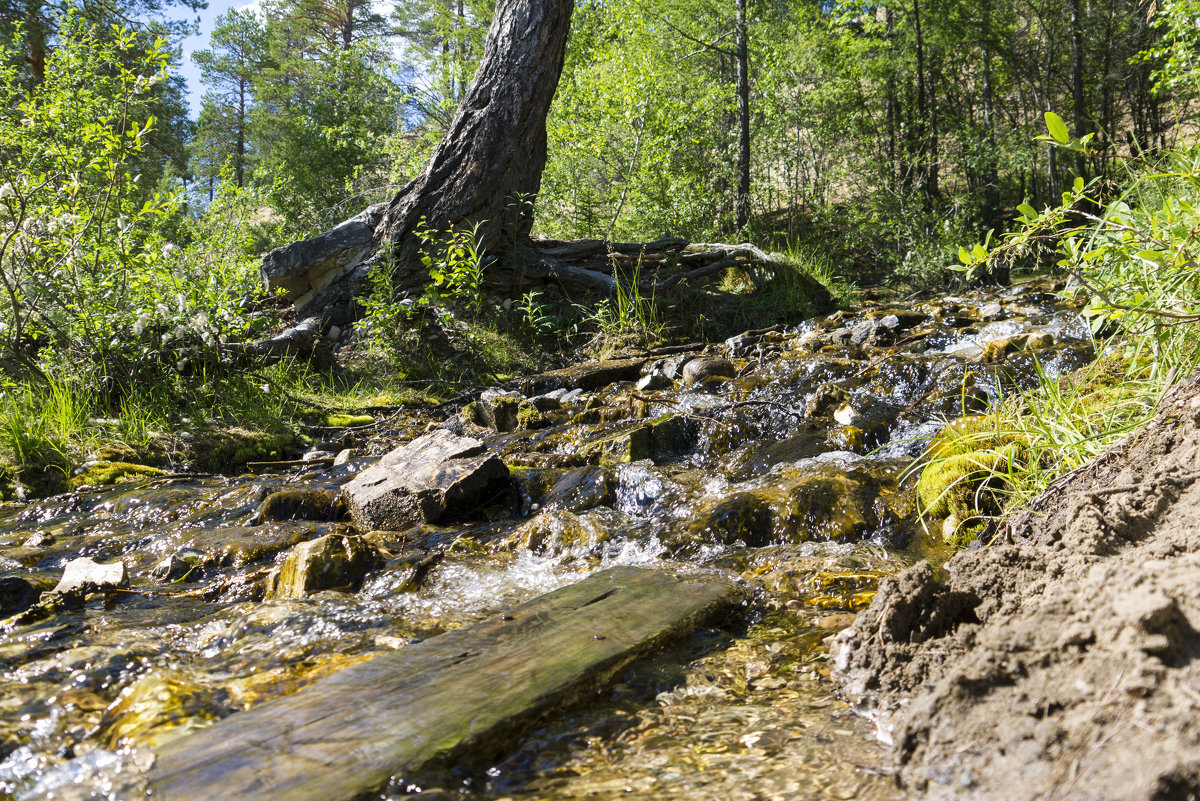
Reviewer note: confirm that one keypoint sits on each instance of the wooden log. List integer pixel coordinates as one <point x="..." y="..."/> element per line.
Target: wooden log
<point x="470" y="691"/>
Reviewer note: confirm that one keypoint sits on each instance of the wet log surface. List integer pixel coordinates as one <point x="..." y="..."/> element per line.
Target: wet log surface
<point x="470" y="690"/>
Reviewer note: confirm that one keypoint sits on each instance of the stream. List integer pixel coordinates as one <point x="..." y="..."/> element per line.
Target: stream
<point x="782" y="457"/>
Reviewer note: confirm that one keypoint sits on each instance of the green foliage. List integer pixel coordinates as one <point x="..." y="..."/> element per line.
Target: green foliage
<point x="1135" y="255"/>
<point x="1176" y="55"/>
<point x="324" y="105"/>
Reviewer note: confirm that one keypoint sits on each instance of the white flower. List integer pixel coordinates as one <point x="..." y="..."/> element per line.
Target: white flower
<point x="181" y="302"/>
<point x="140" y="324"/>
<point x="123" y="224"/>
<point x="167" y="250"/>
<point x="7" y="191"/>
<point x="162" y="310"/>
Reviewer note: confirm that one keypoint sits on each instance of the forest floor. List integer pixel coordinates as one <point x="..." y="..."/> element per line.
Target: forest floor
<point x="1063" y="659"/>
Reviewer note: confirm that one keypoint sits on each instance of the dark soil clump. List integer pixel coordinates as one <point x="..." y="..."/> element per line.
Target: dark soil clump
<point x="1061" y="660"/>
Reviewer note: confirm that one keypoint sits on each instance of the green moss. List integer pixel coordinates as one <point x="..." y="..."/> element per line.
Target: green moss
<point x="528" y="417"/>
<point x="967" y="485"/>
<point x="348" y="420"/>
<point x="105" y="473"/>
<point x="216" y="450"/>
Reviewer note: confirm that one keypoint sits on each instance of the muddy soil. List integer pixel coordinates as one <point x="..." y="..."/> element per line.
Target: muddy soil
<point x="1062" y="660"/>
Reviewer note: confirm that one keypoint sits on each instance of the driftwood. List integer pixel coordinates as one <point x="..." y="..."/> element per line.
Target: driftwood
<point x="467" y="693"/>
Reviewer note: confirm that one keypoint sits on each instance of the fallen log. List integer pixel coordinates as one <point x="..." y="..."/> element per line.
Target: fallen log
<point x="470" y="691"/>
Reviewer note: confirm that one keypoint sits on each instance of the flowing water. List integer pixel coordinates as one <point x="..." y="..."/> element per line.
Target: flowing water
<point x="790" y="475"/>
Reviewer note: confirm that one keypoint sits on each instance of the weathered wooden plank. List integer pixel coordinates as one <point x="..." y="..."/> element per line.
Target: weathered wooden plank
<point x="470" y="690"/>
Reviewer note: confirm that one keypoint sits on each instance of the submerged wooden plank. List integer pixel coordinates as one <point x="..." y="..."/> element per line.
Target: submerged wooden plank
<point x="464" y="691"/>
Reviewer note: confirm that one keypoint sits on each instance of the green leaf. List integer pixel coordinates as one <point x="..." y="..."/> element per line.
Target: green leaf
<point x="1078" y="185"/>
<point x="964" y="255"/>
<point x="1029" y="212"/>
<point x="1057" y="128"/>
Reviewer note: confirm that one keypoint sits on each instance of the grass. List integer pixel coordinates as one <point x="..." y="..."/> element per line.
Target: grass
<point x="990" y="469"/>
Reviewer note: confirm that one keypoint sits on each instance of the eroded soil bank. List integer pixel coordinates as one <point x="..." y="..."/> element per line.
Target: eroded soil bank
<point x="1061" y="661"/>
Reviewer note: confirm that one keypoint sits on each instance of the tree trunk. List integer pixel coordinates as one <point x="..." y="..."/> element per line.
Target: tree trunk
<point x="493" y="154"/>
<point x="743" y="99"/>
<point x="1077" y="80"/>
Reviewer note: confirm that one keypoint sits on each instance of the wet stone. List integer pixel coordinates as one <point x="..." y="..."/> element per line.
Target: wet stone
<point x="498" y="409"/>
<point x="16" y="595"/>
<point x="700" y="369"/>
<point x="42" y="539"/>
<point x="327" y="563"/>
<point x="434" y="477"/>
<point x="580" y="489"/>
<point x="302" y="504"/>
<point x="554" y="532"/>
<point x="86" y="574"/>
<point x="744" y="517"/>
<point x="654" y="382"/>
<point x="177" y="567"/>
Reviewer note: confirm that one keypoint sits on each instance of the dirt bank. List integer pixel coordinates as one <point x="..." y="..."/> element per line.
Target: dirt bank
<point x="1061" y="661"/>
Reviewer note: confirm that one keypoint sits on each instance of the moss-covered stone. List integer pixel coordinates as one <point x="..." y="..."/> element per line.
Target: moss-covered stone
<point x="829" y="505"/>
<point x="160" y="707"/>
<point x="331" y="562"/>
<point x="302" y="504"/>
<point x="218" y="450"/>
<point x="528" y="417"/>
<point x="631" y="445"/>
<point x="557" y="531"/>
<point x="105" y="473"/>
<point x="967" y="485"/>
<point x="671" y="435"/>
<point x="348" y="420"/>
<point x="743" y="517"/>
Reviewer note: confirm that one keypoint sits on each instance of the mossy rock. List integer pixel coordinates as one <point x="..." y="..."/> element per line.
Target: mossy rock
<point x="630" y="445"/>
<point x="828" y="505"/>
<point x="348" y="420"/>
<point x="331" y="562"/>
<point x="160" y="707"/>
<point x="555" y="532"/>
<point x="217" y="450"/>
<point x="743" y="517"/>
<point x="321" y="505"/>
<point x="529" y="417"/>
<point x="574" y="489"/>
<point x="967" y="485"/>
<point x="105" y="473"/>
<point x="671" y="435"/>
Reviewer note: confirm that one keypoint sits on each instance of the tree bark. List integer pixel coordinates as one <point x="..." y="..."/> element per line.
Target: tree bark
<point x="743" y="99"/>
<point x="492" y="156"/>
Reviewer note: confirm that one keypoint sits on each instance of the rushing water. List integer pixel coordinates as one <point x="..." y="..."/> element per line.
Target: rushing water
<point x="790" y="476"/>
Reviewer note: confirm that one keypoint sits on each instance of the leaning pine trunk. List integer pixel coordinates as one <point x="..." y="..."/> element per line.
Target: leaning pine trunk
<point x="491" y="158"/>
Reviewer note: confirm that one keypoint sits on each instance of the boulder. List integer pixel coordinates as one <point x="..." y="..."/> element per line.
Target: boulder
<point x="326" y="563"/>
<point x="437" y="476"/>
<point x="302" y="269"/>
<point x="87" y="574"/>
<point x="705" y="367"/>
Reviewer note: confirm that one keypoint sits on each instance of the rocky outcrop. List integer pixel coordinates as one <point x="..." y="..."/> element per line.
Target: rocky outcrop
<point x="303" y="269"/>
<point x="435" y="477"/>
